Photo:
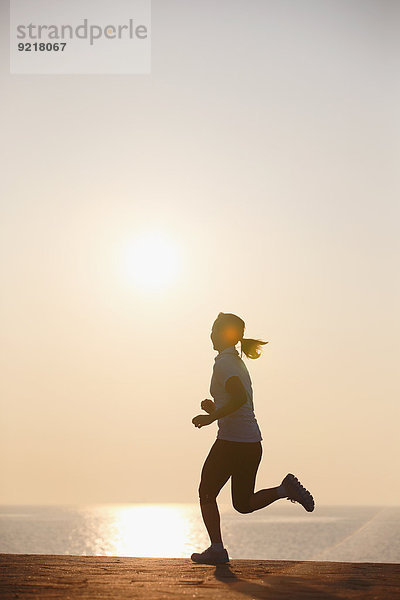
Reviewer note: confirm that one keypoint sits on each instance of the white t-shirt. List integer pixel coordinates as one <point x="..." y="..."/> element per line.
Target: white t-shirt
<point x="241" y="425"/>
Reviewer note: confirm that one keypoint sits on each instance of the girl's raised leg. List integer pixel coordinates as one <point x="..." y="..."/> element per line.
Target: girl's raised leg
<point x="264" y="497"/>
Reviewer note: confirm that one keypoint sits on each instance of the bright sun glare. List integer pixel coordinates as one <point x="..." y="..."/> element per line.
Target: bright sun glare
<point x="151" y="260"/>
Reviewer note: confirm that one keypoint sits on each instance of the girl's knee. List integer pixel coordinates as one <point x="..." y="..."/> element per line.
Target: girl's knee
<point x="242" y="506"/>
<point x="206" y="496"/>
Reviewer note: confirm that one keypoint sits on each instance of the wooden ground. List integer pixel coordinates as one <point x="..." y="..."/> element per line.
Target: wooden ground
<point x="51" y="577"/>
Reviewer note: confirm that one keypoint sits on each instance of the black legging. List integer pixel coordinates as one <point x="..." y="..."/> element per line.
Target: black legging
<point x="238" y="460"/>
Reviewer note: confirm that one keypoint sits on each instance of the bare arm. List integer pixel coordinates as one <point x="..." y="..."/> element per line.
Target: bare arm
<point x="238" y="397"/>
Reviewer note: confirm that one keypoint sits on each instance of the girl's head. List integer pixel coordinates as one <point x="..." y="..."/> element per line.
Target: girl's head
<point x="228" y="330"/>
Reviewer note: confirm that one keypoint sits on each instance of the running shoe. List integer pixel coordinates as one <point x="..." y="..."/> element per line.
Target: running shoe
<point x="297" y="492"/>
<point x="211" y="557"/>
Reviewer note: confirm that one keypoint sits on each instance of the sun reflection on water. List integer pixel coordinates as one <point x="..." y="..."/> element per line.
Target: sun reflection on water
<point x="150" y="530"/>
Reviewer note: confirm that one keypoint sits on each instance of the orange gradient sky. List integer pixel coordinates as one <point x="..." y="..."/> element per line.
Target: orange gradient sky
<point x="260" y="158"/>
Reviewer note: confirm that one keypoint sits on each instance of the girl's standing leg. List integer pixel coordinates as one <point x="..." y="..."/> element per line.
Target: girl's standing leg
<point x="214" y="475"/>
<point x="212" y="521"/>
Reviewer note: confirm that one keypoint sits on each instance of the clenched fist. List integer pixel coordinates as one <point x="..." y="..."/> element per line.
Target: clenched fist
<point x="208" y="405"/>
<point x="201" y="420"/>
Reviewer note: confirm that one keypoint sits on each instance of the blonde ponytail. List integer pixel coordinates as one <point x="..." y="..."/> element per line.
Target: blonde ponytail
<point x="251" y="348"/>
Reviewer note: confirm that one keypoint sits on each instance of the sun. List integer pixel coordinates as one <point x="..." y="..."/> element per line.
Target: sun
<point x="151" y="260"/>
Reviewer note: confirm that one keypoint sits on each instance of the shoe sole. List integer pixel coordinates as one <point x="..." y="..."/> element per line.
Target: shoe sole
<point x="209" y="562"/>
<point x="203" y="562"/>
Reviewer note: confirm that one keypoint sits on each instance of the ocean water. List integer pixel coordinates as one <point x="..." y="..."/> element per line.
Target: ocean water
<point x="281" y="531"/>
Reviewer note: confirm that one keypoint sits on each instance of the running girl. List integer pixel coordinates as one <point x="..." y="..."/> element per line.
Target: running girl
<point x="237" y="451"/>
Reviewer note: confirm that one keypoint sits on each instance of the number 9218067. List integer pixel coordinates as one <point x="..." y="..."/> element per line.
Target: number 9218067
<point x="42" y="46"/>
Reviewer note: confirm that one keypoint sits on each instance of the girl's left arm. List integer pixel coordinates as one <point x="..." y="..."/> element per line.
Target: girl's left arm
<point x="238" y="396"/>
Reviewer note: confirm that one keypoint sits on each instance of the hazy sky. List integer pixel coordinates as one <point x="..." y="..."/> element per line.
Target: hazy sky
<point x="264" y="146"/>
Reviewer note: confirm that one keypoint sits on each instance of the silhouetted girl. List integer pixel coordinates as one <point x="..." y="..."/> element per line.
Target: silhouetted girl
<point x="237" y="451"/>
